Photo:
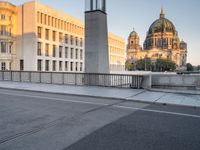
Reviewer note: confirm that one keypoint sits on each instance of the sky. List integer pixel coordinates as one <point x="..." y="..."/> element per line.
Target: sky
<point x="124" y="15"/>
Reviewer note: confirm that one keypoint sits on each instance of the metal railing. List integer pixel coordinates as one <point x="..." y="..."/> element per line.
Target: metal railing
<point x="89" y="79"/>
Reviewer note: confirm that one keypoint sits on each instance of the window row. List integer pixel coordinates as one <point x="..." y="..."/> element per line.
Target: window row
<point x="59" y="36"/>
<point x="59" y="23"/>
<point x="61" y="52"/>
<point x="5" y="17"/>
<point x="5" y="47"/>
<point x="4" y="30"/>
<point x="59" y="65"/>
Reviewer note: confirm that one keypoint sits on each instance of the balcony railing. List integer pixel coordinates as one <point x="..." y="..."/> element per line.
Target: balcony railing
<point x="88" y="79"/>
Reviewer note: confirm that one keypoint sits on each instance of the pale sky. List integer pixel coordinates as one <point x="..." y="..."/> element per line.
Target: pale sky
<point x="123" y="15"/>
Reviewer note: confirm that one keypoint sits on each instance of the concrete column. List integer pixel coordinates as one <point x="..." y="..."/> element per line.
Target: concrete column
<point x="96" y="42"/>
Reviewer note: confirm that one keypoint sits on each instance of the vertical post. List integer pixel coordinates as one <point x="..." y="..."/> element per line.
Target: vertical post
<point x="63" y="78"/>
<point x="40" y="76"/>
<point x="51" y="77"/>
<point x="10" y="75"/>
<point x="75" y="78"/>
<point x="29" y="76"/>
<point x="3" y="75"/>
<point x="20" y="76"/>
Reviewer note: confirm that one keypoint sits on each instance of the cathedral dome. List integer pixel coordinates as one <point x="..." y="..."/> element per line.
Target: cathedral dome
<point x="133" y="34"/>
<point x="162" y="25"/>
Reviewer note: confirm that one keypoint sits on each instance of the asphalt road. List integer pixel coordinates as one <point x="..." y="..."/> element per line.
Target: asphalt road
<point x="43" y="121"/>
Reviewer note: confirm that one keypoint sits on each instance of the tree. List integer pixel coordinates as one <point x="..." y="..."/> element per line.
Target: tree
<point x="198" y="68"/>
<point x="165" y="65"/>
<point x="129" y="65"/>
<point x="144" y="64"/>
<point x="189" y="67"/>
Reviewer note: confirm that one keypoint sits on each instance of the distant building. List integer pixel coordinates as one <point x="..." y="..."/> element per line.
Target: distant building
<point x="162" y="41"/>
<point x="35" y="37"/>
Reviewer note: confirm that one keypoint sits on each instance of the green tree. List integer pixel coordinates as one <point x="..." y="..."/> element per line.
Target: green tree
<point x="129" y="65"/>
<point x="165" y="65"/>
<point x="189" y="67"/>
<point x="144" y="64"/>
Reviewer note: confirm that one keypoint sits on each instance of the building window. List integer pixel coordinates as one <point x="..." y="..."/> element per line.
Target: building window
<point x="66" y="39"/>
<point x="81" y="66"/>
<point x="3" y="47"/>
<point x="60" y="65"/>
<point x="3" y="66"/>
<point x="76" y="41"/>
<point x="81" y="42"/>
<point x="21" y="64"/>
<point x="41" y="18"/>
<point x="76" y="67"/>
<point x="3" y="30"/>
<point x="47" y="50"/>
<point x="54" y="36"/>
<point x="76" y="53"/>
<point x="47" y="65"/>
<point x="72" y="53"/>
<point x="39" y="49"/>
<point x="39" y="32"/>
<point x="54" y="65"/>
<point x="60" y="37"/>
<point x="81" y="54"/>
<point x="47" y="34"/>
<point x="72" y="40"/>
<point x="60" y="51"/>
<point x="39" y="65"/>
<point x="3" y="17"/>
<point x="66" y="52"/>
<point x="71" y="66"/>
<point x="66" y="66"/>
<point x="54" y="50"/>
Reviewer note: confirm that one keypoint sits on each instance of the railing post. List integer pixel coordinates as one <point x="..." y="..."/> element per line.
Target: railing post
<point x="63" y="78"/>
<point x="40" y="76"/>
<point x="30" y="77"/>
<point x="51" y="77"/>
<point x="75" y="79"/>
<point x="20" y="76"/>
<point x="3" y="75"/>
<point x="10" y="75"/>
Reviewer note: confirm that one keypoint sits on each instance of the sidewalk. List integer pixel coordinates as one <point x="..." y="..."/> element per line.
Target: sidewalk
<point x="104" y="92"/>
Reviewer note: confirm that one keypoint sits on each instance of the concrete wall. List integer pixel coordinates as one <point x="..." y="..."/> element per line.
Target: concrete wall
<point x="175" y="81"/>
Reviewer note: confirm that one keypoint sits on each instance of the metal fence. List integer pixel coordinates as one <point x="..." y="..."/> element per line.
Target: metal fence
<point x="107" y="80"/>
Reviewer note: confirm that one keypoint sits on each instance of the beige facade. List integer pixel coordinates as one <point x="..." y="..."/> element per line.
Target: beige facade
<point x="162" y="41"/>
<point x="44" y="39"/>
<point x="7" y="36"/>
<point x="117" y="54"/>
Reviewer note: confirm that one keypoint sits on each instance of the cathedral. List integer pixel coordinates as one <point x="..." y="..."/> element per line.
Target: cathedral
<point x="162" y="42"/>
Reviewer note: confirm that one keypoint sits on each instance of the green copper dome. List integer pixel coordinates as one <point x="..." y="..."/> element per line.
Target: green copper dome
<point x="162" y="25"/>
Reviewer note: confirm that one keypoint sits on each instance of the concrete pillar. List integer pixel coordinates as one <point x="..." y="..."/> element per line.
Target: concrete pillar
<point x="96" y="40"/>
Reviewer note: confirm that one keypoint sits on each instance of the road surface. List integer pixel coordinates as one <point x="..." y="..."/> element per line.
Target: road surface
<point x="43" y="121"/>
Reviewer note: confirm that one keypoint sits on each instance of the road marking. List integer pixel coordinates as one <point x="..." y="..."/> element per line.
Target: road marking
<point x="158" y="111"/>
<point x="103" y="104"/>
<point x="56" y="99"/>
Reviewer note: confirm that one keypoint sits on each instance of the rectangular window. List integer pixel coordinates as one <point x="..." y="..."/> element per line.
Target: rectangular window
<point x="72" y="53"/>
<point x="46" y="49"/>
<point x="76" y="41"/>
<point x="72" y="40"/>
<point x="81" y="66"/>
<point x="21" y="64"/>
<point x="71" y="66"/>
<point x="47" y="34"/>
<point x="47" y="65"/>
<point x="76" y="53"/>
<point x="49" y="20"/>
<point x="81" y="42"/>
<point x="60" y="65"/>
<point x="39" y="32"/>
<point x="54" y="36"/>
<point x="66" y="39"/>
<point x="3" y="66"/>
<point x="45" y="19"/>
<point x="39" y="49"/>
<point x="66" y="52"/>
<point x="3" y="17"/>
<point x="60" y="37"/>
<point x="39" y="65"/>
<point x="81" y="54"/>
<point x="3" y="47"/>
<point x="3" y="30"/>
<point x="54" y="51"/>
<point x="66" y="66"/>
<point x="54" y="66"/>
<point x="60" y="51"/>
<point x="76" y="67"/>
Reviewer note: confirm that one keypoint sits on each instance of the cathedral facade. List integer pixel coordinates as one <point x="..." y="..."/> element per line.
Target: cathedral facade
<point x="162" y="42"/>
